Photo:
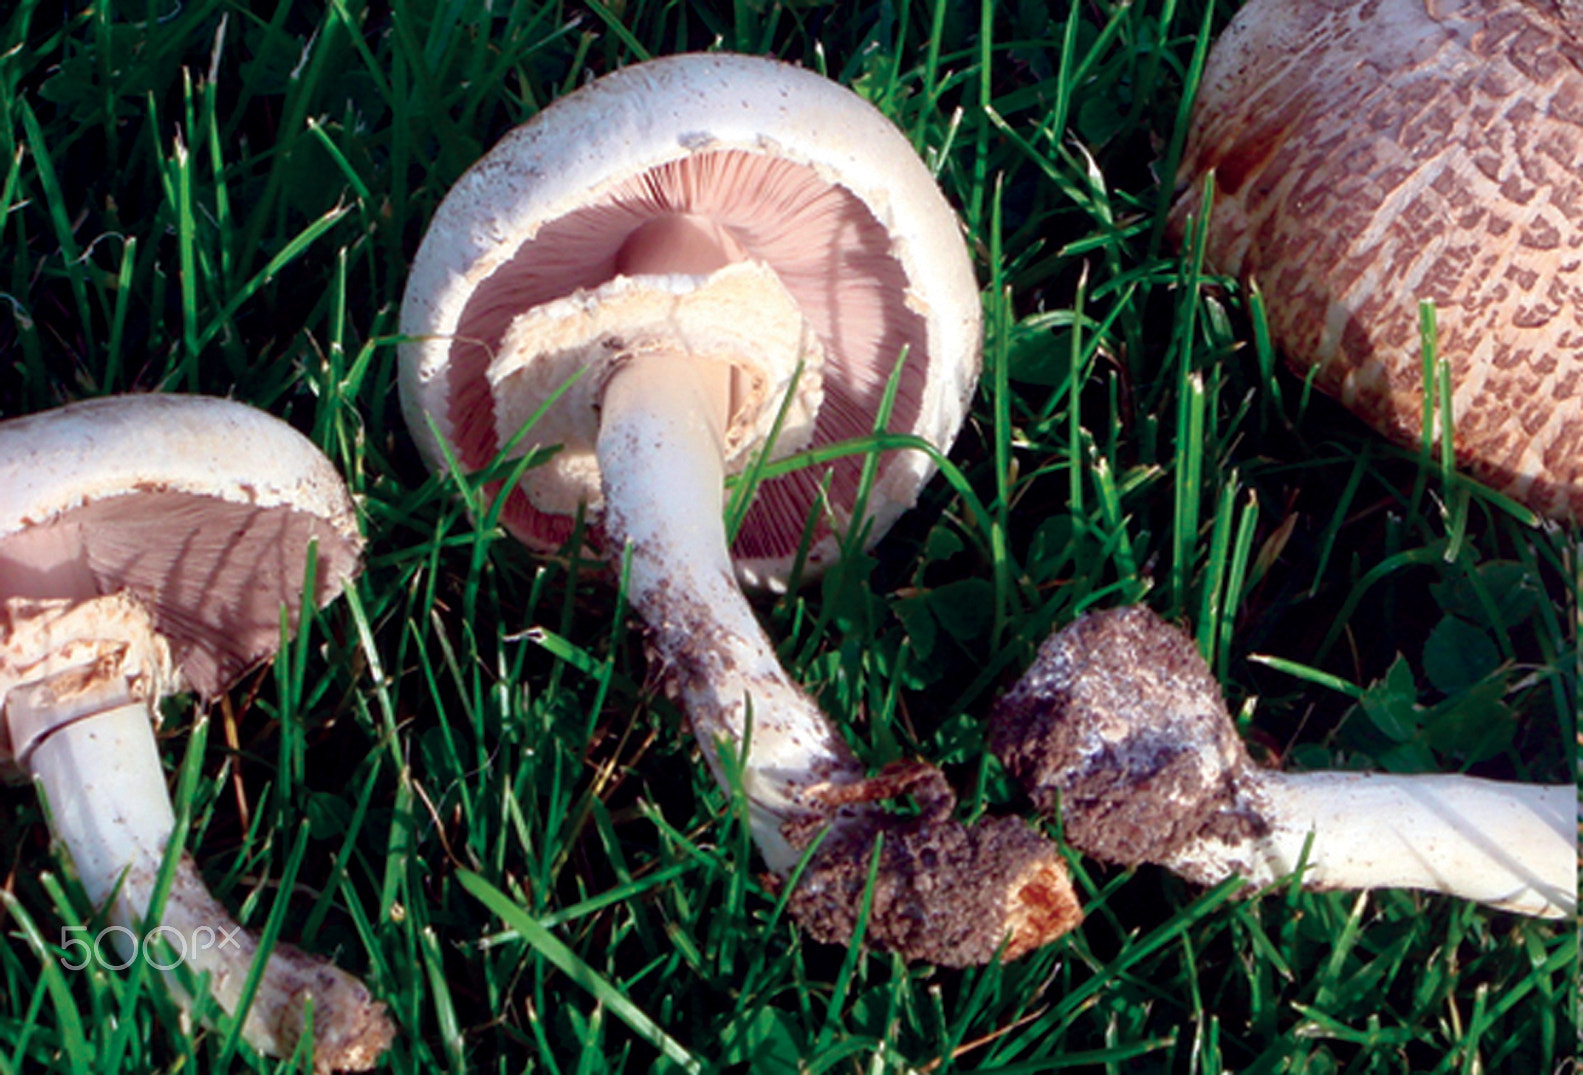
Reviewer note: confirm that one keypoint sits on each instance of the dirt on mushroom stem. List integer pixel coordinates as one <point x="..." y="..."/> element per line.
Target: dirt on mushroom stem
<point x="350" y="1028"/>
<point x="944" y="892"/>
<point x="1119" y="726"/>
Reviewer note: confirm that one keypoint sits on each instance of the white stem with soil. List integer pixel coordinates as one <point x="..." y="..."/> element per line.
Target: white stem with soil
<point x="1509" y="845"/>
<point x="1120" y="725"/>
<point x="683" y="371"/>
<point x="83" y="726"/>
<point x="660" y="457"/>
<point x="942" y="891"/>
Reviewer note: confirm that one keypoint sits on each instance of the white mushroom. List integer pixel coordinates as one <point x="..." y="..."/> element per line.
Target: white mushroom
<point x="148" y="545"/>
<point x="711" y="244"/>
<point x="1120" y="725"/>
<point x="1371" y="156"/>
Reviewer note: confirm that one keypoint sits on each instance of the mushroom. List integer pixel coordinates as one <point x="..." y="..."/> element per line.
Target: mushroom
<point x="1120" y="725"/>
<point x="708" y="250"/>
<point x="147" y="546"/>
<point x="1369" y="157"/>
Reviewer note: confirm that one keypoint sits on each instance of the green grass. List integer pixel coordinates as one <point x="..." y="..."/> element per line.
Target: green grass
<point x="460" y="783"/>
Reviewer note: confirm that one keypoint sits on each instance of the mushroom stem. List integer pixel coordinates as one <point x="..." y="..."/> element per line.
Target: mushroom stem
<point x="105" y="792"/>
<point x="1120" y="725"/>
<point x="660" y="459"/>
<point x="943" y="891"/>
<point x="1509" y="845"/>
<point x="84" y="729"/>
<point x="105" y="788"/>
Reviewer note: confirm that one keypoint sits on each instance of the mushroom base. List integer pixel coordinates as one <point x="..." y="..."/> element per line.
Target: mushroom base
<point x="105" y="790"/>
<point x="942" y="892"/>
<point x="1120" y="725"/>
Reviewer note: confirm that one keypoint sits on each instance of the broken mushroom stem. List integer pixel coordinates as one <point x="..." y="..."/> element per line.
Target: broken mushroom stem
<point x="1120" y="725"/>
<point x="945" y="892"/>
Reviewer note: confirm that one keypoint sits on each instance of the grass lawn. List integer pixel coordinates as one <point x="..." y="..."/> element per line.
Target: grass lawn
<point x="464" y="787"/>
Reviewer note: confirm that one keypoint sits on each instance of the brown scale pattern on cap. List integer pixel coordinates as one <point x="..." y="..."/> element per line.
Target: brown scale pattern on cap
<point x="1369" y="155"/>
<point x="945" y="893"/>
<point x="1120" y="725"/>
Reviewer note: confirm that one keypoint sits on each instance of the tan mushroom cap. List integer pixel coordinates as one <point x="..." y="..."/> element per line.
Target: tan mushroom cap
<point x="710" y="158"/>
<point x="1370" y="156"/>
<point x="202" y="508"/>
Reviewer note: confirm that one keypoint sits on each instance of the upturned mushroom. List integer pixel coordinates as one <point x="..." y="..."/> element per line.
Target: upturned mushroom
<point x="711" y="249"/>
<point x="147" y="546"/>
<point x="1120" y="726"/>
<point x="1371" y="156"/>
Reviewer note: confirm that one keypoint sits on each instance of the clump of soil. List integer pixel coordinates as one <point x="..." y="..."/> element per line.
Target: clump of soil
<point x="944" y="892"/>
<point x="1120" y="725"/>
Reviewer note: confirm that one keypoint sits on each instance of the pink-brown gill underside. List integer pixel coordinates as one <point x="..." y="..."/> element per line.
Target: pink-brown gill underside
<point x="830" y="252"/>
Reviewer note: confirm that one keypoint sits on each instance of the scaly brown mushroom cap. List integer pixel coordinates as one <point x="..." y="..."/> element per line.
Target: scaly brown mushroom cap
<point x="1369" y="156"/>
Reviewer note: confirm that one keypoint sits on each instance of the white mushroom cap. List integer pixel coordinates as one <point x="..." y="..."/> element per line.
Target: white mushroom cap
<point x="770" y="161"/>
<point x="203" y="508"/>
